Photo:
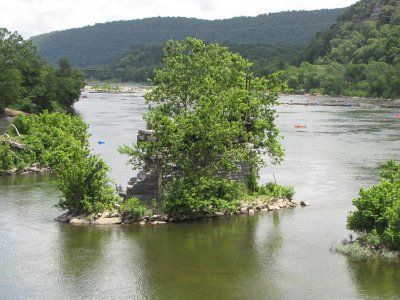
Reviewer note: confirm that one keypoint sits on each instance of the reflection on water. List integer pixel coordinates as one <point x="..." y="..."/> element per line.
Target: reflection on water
<point x="214" y="259"/>
<point x="375" y="279"/>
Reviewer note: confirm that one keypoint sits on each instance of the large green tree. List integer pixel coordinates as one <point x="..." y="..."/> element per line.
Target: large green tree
<point x="209" y="113"/>
<point x="27" y="83"/>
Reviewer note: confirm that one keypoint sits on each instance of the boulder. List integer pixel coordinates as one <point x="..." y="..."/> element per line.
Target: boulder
<point x="64" y="218"/>
<point x="251" y="211"/>
<point x="108" y="221"/>
<point x="273" y="206"/>
<point x="105" y="214"/>
<point x="244" y="210"/>
<point x="78" y="221"/>
<point x="304" y="203"/>
<point x="158" y="222"/>
<point x="218" y="214"/>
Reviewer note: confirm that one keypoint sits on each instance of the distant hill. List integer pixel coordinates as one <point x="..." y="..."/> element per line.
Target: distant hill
<point x="102" y="43"/>
<point x="357" y="56"/>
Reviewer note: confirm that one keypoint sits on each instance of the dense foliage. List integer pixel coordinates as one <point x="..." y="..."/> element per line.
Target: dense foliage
<point x="59" y="141"/>
<point x="101" y="44"/>
<point x="358" y="56"/>
<point x="27" y="83"/>
<point x="83" y="181"/>
<point x="377" y="218"/>
<point x="42" y="137"/>
<point x="375" y="79"/>
<point x="208" y="117"/>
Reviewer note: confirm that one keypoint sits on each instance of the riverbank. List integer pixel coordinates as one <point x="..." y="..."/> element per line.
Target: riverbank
<point x="32" y="169"/>
<point x="114" y="217"/>
<point x="115" y="89"/>
<point x="330" y="100"/>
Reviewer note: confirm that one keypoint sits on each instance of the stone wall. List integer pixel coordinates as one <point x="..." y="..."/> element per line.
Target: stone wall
<point x="144" y="185"/>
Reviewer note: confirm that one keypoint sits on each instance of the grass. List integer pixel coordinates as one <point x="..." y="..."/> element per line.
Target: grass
<point x="355" y="251"/>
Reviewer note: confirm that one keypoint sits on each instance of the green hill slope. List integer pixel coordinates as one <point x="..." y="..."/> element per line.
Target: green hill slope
<point x="357" y="56"/>
<point x="102" y="43"/>
<point x="368" y="30"/>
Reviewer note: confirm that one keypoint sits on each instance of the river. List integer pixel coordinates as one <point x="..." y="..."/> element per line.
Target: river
<point x="280" y="255"/>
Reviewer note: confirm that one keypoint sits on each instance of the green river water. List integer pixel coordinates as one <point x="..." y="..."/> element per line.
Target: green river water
<point x="280" y="255"/>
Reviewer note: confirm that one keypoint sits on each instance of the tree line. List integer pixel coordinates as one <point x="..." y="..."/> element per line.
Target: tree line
<point x="101" y="44"/>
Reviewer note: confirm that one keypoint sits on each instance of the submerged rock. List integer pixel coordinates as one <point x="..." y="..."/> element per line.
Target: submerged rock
<point x="304" y="203"/>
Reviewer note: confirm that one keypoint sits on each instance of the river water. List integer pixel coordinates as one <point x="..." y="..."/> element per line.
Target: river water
<point x="280" y="255"/>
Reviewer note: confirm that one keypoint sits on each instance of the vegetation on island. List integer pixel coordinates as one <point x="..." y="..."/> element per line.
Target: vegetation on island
<point x="357" y="56"/>
<point x="210" y="117"/>
<point x="59" y="141"/>
<point x="29" y="84"/>
<point x="377" y="218"/>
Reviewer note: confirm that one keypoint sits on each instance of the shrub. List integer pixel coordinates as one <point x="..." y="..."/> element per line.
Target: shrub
<point x="133" y="207"/>
<point x="377" y="217"/>
<point x="353" y="250"/>
<point x="204" y="194"/>
<point x="274" y="190"/>
<point x="83" y="181"/>
<point x="44" y="136"/>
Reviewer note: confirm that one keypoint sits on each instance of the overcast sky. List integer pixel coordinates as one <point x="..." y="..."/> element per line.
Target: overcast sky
<point x="32" y="17"/>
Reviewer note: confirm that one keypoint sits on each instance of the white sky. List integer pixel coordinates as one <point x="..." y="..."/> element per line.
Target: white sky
<point x="32" y="17"/>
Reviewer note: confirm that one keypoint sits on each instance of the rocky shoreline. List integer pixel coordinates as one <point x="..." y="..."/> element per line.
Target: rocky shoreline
<point x="114" y="217"/>
<point x="33" y="169"/>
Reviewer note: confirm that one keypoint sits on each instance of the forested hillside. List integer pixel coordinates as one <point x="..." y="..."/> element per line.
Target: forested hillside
<point x="138" y="63"/>
<point x="357" y="56"/>
<point x="103" y="43"/>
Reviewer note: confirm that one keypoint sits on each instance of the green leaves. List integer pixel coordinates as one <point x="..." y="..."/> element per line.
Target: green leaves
<point x="378" y="209"/>
<point x="211" y="115"/>
<point x="27" y="83"/>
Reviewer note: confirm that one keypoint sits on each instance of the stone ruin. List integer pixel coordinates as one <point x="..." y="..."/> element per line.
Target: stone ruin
<point x="146" y="184"/>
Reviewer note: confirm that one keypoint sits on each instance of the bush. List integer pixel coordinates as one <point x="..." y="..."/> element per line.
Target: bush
<point x="133" y="207"/>
<point x="45" y="136"/>
<point x="274" y="190"/>
<point x="205" y="194"/>
<point x="83" y="181"/>
<point x="353" y="250"/>
<point x="377" y="217"/>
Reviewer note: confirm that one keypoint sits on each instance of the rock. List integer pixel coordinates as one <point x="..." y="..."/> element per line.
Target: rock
<point x="252" y="211"/>
<point x="78" y="221"/>
<point x="264" y="209"/>
<point x="304" y="203"/>
<point x="273" y="206"/>
<point x="281" y="203"/>
<point x="64" y="218"/>
<point x="158" y="222"/>
<point x="115" y="214"/>
<point x="105" y="214"/>
<point x="163" y="217"/>
<point x="108" y="221"/>
<point x="155" y="217"/>
<point x="142" y="222"/>
<point x="244" y="210"/>
<point x="33" y="169"/>
<point x="218" y="214"/>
